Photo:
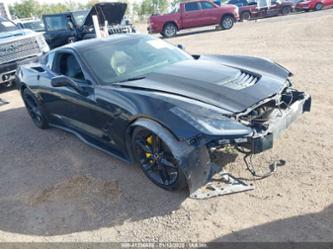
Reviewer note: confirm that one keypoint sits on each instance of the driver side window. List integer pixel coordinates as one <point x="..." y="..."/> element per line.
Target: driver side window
<point x="206" y="5"/>
<point x="67" y="64"/>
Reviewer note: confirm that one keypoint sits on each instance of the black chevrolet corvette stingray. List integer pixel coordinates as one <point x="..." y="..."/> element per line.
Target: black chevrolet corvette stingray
<point x="147" y="101"/>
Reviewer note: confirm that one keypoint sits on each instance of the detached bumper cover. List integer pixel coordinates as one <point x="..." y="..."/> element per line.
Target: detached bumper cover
<point x="281" y="122"/>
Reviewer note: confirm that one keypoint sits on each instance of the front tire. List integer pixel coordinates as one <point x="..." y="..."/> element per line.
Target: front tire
<point x="227" y="22"/>
<point x="34" y="109"/>
<point x="319" y="6"/>
<point x="245" y="16"/>
<point x="169" y="30"/>
<point x="156" y="160"/>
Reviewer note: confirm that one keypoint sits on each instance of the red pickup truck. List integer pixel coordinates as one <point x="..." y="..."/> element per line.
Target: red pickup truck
<point x="193" y="14"/>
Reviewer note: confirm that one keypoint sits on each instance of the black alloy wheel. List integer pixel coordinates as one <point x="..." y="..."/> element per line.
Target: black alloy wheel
<point x="157" y="161"/>
<point x="34" y="109"/>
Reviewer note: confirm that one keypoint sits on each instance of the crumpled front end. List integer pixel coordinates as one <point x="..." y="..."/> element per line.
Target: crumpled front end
<point x="267" y="120"/>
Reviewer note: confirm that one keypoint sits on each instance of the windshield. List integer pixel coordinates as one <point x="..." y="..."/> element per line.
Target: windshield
<point x="132" y="57"/>
<point x="80" y="16"/>
<point x="6" y="25"/>
<point x="35" y="25"/>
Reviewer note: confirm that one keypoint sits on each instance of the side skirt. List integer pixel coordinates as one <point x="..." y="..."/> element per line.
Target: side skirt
<point x="89" y="143"/>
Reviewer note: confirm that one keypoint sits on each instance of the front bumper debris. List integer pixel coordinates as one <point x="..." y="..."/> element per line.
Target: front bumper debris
<point x="279" y="123"/>
<point x="224" y="185"/>
<point x="261" y="141"/>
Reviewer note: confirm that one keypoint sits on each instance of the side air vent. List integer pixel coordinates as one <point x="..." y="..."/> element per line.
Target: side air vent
<point x="242" y="80"/>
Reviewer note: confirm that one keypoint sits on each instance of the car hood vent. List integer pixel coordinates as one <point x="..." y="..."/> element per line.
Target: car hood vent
<point x="241" y="80"/>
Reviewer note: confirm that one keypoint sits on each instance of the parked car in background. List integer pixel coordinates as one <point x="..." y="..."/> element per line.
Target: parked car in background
<point x="249" y="9"/>
<point x="36" y="25"/>
<point x="307" y="5"/>
<point x="63" y="28"/>
<point x="16" y="47"/>
<point x="193" y="14"/>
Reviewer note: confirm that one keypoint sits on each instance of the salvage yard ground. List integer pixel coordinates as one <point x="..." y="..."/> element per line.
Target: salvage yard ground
<point x="53" y="187"/>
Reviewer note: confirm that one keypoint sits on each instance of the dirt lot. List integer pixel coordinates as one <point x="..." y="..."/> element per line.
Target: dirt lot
<point x="53" y="187"/>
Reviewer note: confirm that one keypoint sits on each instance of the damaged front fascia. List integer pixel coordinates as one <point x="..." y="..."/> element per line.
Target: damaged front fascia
<point x="277" y="122"/>
<point x="275" y="97"/>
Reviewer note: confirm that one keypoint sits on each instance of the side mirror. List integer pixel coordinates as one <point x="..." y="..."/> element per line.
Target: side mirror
<point x="62" y="80"/>
<point x="181" y="46"/>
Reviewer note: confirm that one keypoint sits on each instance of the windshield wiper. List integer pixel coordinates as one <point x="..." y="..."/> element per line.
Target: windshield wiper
<point x="133" y="78"/>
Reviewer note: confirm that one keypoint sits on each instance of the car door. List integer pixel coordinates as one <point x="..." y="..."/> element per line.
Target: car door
<point x="78" y="111"/>
<point x="210" y="15"/>
<point x="192" y="15"/>
<point x="67" y="106"/>
<point x="59" y="29"/>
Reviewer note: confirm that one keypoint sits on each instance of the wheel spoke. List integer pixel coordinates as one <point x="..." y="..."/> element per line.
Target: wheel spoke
<point x="29" y="103"/>
<point x="164" y="176"/>
<point x="147" y="167"/>
<point x="35" y="110"/>
<point x="156" y="144"/>
<point x="168" y="164"/>
<point x="141" y="143"/>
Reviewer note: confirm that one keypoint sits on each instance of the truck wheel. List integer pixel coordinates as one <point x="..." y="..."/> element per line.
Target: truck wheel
<point x="318" y="6"/>
<point x="285" y="10"/>
<point x="245" y="16"/>
<point x="227" y="22"/>
<point x="169" y="30"/>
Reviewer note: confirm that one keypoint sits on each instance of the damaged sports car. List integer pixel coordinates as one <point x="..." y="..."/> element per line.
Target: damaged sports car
<point x="144" y="100"/>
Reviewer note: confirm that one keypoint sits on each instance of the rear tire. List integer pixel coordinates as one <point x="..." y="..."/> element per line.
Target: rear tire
<point x="34" y="109"/>
<point x="245" y="16"/>
<point x="157" y="160"/>
<point x="169" y="30"/>
<point x="285" y="10"/>
<point x="319" y="6"/>
<point x="227" y="22"/>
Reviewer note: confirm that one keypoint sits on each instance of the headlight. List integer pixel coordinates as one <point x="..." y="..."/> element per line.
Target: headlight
<point x="210" y="122"/>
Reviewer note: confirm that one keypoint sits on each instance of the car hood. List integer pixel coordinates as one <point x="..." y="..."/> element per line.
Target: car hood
<point x="6" y="37"/>
<point x="230" y="88"/>
<point x="13" y="34"/>
<point x="111" y="12"/>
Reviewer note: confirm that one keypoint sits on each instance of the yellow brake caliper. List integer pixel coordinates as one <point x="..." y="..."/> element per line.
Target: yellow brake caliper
<point x="149" y="141"/>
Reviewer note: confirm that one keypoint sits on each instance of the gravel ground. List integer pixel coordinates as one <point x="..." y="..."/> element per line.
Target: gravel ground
<point x="53" y="187"/>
